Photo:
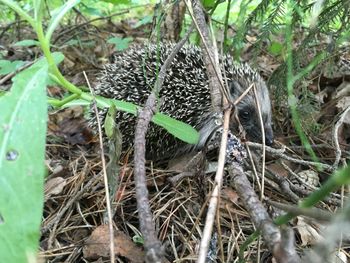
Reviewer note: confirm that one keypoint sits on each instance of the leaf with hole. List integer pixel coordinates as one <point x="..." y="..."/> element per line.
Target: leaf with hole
<point x="22" y="150"/>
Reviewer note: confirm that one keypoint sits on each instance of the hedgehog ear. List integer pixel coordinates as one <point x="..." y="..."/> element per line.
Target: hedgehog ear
<point x="235" y="89"/>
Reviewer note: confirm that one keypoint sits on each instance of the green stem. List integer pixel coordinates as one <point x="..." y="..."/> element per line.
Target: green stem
<point x="245" y="245"/>
<point x="60" y="103"/>
<point x="45" y="46"/>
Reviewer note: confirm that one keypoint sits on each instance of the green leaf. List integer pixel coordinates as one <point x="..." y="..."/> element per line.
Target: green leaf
<point x="19" y="10"/>
<point x="118" y="2"/>
<point x="179" y="129"/>
<point x="92" y="11"/>
<point x="146" y="20"/>
<point x="276" y="48"/>
<point x="120" y="43"/>
<point x="7" y="66"/>
<point x="38" y="4"/>
<point x="27" y="42"/>
<point x="57" y="56"/>
<point x="110" y="124"/>
<point x="137" y="239"/>
<point x="209" y="3"/>
<point x="22" y="150"/>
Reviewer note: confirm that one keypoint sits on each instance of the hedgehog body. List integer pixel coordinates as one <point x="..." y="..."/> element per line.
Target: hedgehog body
<point x="185" y="95"/>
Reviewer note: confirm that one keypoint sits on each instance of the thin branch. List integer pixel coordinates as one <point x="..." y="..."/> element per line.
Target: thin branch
<point x="335" y="138"/>
<point x="309" y="212"/>
<point x="154" y="252"/>
<point x="214" y="199"/>
<point x="219" y="97"/>
<point x="277" y="244"/>
<point x="263" y="144"/>
<point x="280" y="153"/>
<point x="216" y="84"/>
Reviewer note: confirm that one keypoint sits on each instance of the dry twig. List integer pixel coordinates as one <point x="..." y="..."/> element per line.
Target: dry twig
<point x="152" y="245"/>
<point x="105" y="177"/>
<point x="279" y="245"/>
<point x="217" y="90"/>
<point x="336" y="140"/>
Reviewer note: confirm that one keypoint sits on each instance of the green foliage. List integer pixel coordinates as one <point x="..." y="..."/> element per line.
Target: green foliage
<point x="276" y="48"/>
<point x="27" y="43"/>
<point x="211" y="3"/>
<point x="138" y="239"/>
<point x="22" y="151"/>
<point x="7" y="66"/>
<point x="118" y="2"/>
<point x="110" y="124"/>
<point x="120" y="43"/>
<point x="22" y="138"/>
<point x="145" y="20"/>
<point x="177" y="128"/>
<point x="338" y="179"/>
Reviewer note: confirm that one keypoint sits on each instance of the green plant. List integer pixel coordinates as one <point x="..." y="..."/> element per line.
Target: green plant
<point x="23" y="121"/>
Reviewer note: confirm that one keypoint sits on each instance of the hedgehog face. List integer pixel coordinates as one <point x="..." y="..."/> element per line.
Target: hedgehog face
<point x="249" y="118"/>
<point x="247" y="109"/>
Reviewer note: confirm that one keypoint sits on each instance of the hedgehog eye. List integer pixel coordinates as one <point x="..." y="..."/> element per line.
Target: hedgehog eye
<point x="245" y="115"/>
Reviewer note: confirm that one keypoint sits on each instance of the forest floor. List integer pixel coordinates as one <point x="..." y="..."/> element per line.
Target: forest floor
<point x="74" y="222"/>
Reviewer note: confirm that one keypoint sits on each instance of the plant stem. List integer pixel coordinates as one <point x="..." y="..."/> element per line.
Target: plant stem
<point x="60" y="103"/>
<point x="45" y="46"/>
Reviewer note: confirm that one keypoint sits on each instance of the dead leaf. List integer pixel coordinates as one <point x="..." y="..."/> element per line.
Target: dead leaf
<point x="321" y="96"/>
<point x="343" y="90"/>
<point x="339" y="257"/>
<point x="277" y="168"/>
<point x="70" y="124"/>
<point x="309" y="177"/>
<point x="308" y="233"/>
<point x="97" y="245"/>
<point x="230" y="194"/>
<point x="54" y="186"/>
<point x="343" y="103"/>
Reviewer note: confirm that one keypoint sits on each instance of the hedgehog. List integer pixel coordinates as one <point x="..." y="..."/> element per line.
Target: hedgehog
<point x="185" y="96"/>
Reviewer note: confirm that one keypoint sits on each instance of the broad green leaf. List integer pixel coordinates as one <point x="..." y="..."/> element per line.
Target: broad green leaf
<point x="137" y="239"/>
<point x="7" y="66"/>
<point x="27" y="42"/>
<point x="57" y="15"/>
<point x="57" y="56"/>
<point x="22" y="150"/>
<point x="120" y="43"/>
<point x="106" y="103"/>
